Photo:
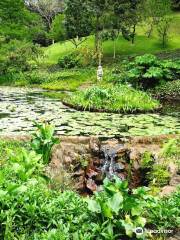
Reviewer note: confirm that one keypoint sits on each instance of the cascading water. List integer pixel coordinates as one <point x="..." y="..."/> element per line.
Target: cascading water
<point x="110" y="167"/>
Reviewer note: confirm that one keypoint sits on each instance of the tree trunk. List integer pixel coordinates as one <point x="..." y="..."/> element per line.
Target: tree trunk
<point x="134" y="33"/>
<point x="149" y="33"/>
<point x="114" y="49"/>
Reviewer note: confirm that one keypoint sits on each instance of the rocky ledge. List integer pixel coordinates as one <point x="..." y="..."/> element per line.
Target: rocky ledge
<point x="85" y="161"/>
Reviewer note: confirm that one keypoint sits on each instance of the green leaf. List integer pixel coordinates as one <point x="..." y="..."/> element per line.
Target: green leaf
<point x="2" y="193"/>
<point x="128" y="225"/>
<point x="136" y="211"/>
<point x="115" y="202"/>
<point x="140" y="221"/>
<point x="106" y="210"/>
<point x="93" y="206"/>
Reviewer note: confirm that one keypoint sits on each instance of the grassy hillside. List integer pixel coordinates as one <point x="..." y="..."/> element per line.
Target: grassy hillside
<point x="123" y="47"/>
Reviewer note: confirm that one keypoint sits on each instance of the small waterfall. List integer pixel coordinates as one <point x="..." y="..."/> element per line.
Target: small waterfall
<point x="109" y="166"/>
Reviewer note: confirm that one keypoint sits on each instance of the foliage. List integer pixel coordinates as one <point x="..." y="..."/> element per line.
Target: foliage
<point x="6" y="147"/>
<point x="175" y="4"/>
<point x="168" y="90"/>
<point x="116" y="99"/>
<point x="163" y="29"/>
<point x="155" y="168"/>
<point x="17" y="56"/>
<point x="57" y="31"/>
<point x="17" y="22"/>
<point x="71" y="60"/>
<point x="43" y="39"/>
<point x="77" y="25"/>
<point x="29" y="209"/>
<point x="166" y="213"/>
<point x="35" y="77"/>
<point x="120" y="209"/>
<point x="159" y="175"/>
<point x="147" y="71"/>
<point x="43" y="140"/>
<point x="32" y="210"/>
<point x="170" y="148"/>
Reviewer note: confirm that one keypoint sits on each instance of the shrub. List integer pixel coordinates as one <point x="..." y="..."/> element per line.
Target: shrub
<point x="36" y="77"/>
<point x="42" y="39"/>
<point x="69" y="61"/>
<point x="166" y="213"/>
<point x="87" y="56"/>
<point x="18" y="57"/>
<point x="159" y="175"/>
<point x="168" y="90"/>
<point x="148" y="71"/>
<point x="119" y="209"/>
<point x="116" y="99"/>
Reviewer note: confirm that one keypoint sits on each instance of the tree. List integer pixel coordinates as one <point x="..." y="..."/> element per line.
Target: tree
<point x="16" y="21"/>
<point x="47" y="9"/>
<point x="134" y="17"/>
<point x="12" y="10"/>
<point x="156" y="13"/>
<point x="150" y="15"/>
<point x="57" y="31"/>
<point x="78" y="21"/>
<point x="163" y="29"/>
<point x="99" y="9"/>
<point x="164" y="20"/>
<point x="129" y="15"/>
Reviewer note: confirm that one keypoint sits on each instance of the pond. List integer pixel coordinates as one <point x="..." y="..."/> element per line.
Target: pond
<point x="19" y="107"/>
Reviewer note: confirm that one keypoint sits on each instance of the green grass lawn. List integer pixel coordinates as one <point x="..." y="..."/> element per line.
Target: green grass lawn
<point x="73" y="79"/>
<point x="123" y="47"/>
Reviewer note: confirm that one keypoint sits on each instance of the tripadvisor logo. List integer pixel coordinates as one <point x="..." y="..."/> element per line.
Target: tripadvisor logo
<point x="139" y="231"/>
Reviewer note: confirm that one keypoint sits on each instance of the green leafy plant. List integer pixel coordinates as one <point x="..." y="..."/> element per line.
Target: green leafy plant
<point x="115" y="99"/>
<point x="159" y="175"/>
<point x="18" y="56"/>
<point x="168" y="90"/>
<point x="71" y="60"/>
<point x="119" y="208"/>
<point x="166" y="213"/>
<point x="26" y="164"/>
<point x="43" y="140"/>
<point x="148" y="71"/>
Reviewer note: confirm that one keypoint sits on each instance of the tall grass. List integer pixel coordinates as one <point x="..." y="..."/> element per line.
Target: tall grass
<point x="116" y="99"/>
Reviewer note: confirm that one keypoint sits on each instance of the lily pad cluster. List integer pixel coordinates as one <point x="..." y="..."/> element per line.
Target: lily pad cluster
<point x="20" y="107"/>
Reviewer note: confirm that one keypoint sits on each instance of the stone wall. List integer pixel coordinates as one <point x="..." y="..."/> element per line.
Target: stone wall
<point x="81" y="160"/>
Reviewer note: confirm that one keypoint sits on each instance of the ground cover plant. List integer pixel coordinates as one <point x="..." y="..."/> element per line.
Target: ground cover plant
<point x="148" y="71"/>
<point x="168" y="90"/>
<point x="58" y="45"/>
<point x="114" y="99"/>
<point x="31" y="209"/>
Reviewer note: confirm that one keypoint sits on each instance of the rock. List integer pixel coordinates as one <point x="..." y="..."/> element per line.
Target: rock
<point x="78" y="173"/>
<point x="134" y="155"/>
<point x="120" y="148"/>
<point x="167" y="190"/>
<point x="80" y="184"/>
<point x="91" y="173"/>
<point x="136" y="165"/>
<point x="175" y="181"/>
<point x="94" y="145"/>
<point x="172" y="168"/>
<point x="91" y="185"/>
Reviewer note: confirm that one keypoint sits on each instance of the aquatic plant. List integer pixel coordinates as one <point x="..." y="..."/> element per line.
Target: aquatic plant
<point x="119" y="98"/>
